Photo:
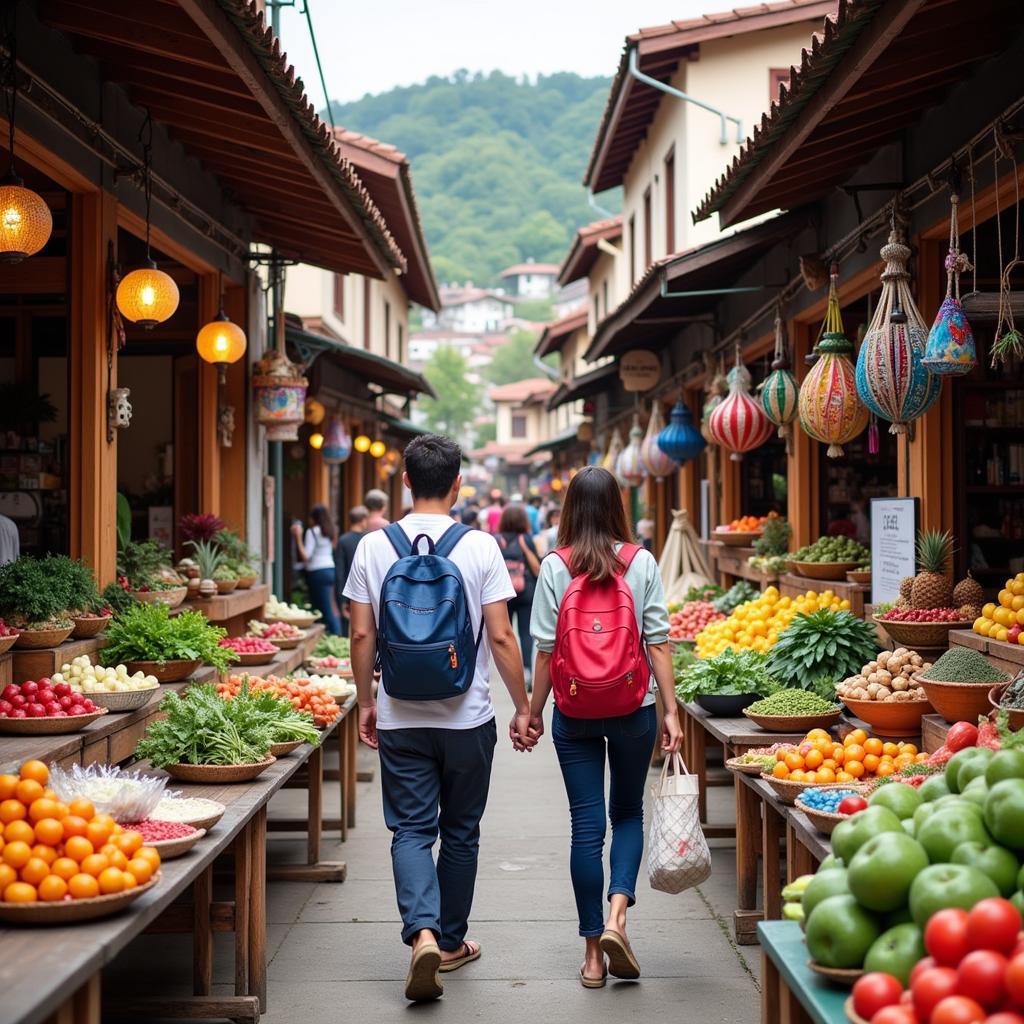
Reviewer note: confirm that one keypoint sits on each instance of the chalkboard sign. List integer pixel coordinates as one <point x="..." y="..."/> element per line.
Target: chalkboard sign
<point x="893" y="545"/>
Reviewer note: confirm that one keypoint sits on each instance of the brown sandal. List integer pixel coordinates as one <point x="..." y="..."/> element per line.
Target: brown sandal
<point x="460" y="961"/>
<point x="621" y="961"/>
<point x="422" y="982"/>
<point x="593" y="982"/>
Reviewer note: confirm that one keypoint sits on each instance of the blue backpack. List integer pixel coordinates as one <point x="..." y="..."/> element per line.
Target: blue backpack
<point x="426" y="649"/>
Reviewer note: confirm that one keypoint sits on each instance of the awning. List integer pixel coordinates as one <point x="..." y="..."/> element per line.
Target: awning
<point x="553" y="336"/>
<point x="566" y="439"/>
<point x="402" y="427"/>
<point x="213" y="73"/>
<point x="585" y="386"/>
<point x="870" y="74"/>
<point x="583" y="251"/>
<point x="686" y="286"/>
<point x="393" y="377"/>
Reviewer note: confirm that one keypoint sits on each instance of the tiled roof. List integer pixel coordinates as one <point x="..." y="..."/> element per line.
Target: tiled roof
<point x="631" y="104"/>
<point x="522" y="390"/>
<point x="583" y="250"/>
<point x="517" y="454"/>
<point x="555" y="333"/>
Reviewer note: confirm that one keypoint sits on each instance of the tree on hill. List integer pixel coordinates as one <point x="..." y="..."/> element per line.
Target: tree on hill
<point x="458" y="398"/>
<point x="514" y="360"/>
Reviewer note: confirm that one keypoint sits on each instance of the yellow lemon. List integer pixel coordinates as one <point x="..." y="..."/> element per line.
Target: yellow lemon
<point x="1001" y="633"/>
<point x="988" y="610"/>
<point x="1006" y="598"/>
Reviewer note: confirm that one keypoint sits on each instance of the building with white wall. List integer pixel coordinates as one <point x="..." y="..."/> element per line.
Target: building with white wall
<point x="469" y="310"/>
<point x="530" y="280"/>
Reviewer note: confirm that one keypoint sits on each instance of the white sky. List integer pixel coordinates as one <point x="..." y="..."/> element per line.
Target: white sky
<point x="372" y="46"/>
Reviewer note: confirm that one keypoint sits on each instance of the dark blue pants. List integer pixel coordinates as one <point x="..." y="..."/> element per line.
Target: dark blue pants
<point x="321" y="595"/>
<point x="581" y="745"/>
<point x="435" y="780"/>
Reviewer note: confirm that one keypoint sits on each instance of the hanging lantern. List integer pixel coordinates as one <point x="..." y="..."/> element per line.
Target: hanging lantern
<point x="716" y="395"/>
<point x="681" y="440"/>
<point x="654" y="459"/>
<point x="950" y="349"/>
<point x="629" y="467"/>
<point x="377" y="449"/>
<point x="362" y="444"/>
<point x="611" y="457"/>
<point x="829" y="409"/>
<point x="337" y="443"/>
<point x="314" y="412"/>
<point x="280" y="392"/>
<point x="780" y="392"/>
<point x="891" y="380"/>
<point x="738" y="424"/>
<point x="316" y="441"/>
<point x="219" y="342"/>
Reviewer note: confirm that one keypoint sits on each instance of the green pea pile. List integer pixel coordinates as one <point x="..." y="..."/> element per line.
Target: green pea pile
<point x="793" y="702"/>
<point x="834" y="549"/>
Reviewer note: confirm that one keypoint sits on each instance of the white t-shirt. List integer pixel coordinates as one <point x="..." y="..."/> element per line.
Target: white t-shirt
<point x="319" y="550"/>
<point x="486" y="581"/>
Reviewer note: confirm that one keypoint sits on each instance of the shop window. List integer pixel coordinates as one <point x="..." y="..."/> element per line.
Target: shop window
<point x="339" y="296"/>
<point x="670" y="201"/>
<point x="518" y="426"/>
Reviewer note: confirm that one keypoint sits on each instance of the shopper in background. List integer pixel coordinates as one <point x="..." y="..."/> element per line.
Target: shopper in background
<point x="344" y="552"/>
<point x="471" y="518"/>
<point x="533" y="514"/>
<point x="376" y="503"/>
<point x="548" y="537"/>
<point x="645" y="533"/>
<point x="10" y="541"/>
<point x="316" y="551"/>
<point x="594" y="548"/>
<point x="493" y="521"/>
<point x="523" y="564"/>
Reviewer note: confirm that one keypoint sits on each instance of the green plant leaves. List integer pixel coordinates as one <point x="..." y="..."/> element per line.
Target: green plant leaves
<point x="731" y="672"/>
<point x="148" y="632"/>
<point x="819" y="648"/>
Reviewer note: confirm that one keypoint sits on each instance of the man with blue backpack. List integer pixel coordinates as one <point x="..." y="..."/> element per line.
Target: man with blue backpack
<point x="429" y="609"/>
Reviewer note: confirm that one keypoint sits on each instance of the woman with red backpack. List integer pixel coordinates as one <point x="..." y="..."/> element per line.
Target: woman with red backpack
<point x="601" y="628"/>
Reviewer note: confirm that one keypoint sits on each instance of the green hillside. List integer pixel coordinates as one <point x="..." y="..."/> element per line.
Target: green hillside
<point x="497" y="163"/>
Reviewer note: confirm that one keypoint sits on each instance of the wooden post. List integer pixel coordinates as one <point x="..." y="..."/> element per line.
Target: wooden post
<point x="233" y="462"/>
<point x="93" y="459"/>
<point x="318" y="478"/>
<point x="209" y="405"/>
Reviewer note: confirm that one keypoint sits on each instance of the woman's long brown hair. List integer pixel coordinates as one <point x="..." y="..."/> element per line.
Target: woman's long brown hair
<point x="593" y="522"/>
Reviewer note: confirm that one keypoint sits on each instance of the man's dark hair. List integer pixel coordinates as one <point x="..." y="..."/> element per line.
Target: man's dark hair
<point x="535" y="501"/>
<point x="470" y="517"/>
<point x="432" y="462"/>
<point x="357" y="514"/>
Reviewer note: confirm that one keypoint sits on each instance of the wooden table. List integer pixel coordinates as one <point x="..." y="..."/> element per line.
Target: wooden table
<point x="791" y="993"/>
<point x="792" y="585"/>
<point x="732" y="565"/>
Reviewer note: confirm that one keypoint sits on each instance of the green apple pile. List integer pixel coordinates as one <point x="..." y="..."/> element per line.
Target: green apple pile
<point x="956" y="839"/>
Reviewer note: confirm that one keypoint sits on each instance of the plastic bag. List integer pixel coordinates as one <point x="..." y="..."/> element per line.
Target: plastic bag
<point x="678" y="857"/>
<point x="124" y="795"/>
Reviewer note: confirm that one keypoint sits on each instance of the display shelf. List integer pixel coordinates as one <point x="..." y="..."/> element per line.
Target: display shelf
<point x="44" y="662"/>
<point x="793" y="585"/>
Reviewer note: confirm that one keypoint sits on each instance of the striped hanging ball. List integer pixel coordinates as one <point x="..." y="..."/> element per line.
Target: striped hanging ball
<point x="630" y="465"/>
<point x="891" y="379"/>
<point x="829" y="409"/>
<point x="780" y="392"/>
<point x="716" y="396"/>
<point x="681" y="440"/>
<point x="739" y="424"/>
<point x="655" y="460"/>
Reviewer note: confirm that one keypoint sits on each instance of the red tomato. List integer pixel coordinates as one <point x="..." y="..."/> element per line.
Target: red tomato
<point x="924" y="964"/>
<point x="931" y="987"/>
<point x="895" y="1015"/>
<point x="981" y="976"/>
<point x="851" y="805"/>
<point x="875" y="990"/>
<point x="961" y="735"/>
<point x="945" y="936"/>
<point x="1005" y="1017"/>
<point x="1015" y="978"/>
<point x="993" y="924"/>
<point x="957" y="1010"/>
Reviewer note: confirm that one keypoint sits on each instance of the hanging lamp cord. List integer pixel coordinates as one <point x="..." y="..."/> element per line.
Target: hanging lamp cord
<point x="11" y="96"/>
<point x="146" y="138"/>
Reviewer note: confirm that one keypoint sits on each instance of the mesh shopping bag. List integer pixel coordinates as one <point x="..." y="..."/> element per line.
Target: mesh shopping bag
<point x="677" y="856"/>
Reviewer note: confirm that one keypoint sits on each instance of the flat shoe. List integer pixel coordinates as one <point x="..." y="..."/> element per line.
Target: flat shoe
<point x="621" y="961"/>
<point x="468" y="957"/>
<point x="422" y="982"/>
<point x="593" y="982"/>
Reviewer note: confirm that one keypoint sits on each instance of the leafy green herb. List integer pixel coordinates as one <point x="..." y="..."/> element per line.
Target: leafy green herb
<point x="148" y="632"/>
<point x="708" y="592"/>
<point x="739" y="593"/>
<point x="39" y="592"/>
<point x="117" y="598"/>
<point x="330" y="646"/>
<point x="731" y="672"/>
<point x="141" y="562"/>
<point x="774" y="539"/>
<point x="822" y="645"/>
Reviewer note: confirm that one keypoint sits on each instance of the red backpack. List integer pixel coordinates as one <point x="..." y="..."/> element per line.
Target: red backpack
<point x="599" y="665"/>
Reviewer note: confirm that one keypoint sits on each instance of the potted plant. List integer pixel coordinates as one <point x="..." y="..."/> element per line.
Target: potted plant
<point x="209" y="558"/>
<point x="726" y="684"/>
<point x="241" y="557"/>
<point x="144" y="567"/>
<point x="34" y="596"/>
<point x="226" y="578"/>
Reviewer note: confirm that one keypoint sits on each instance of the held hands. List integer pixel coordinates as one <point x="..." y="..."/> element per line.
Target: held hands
<point x="521" y="734"/>
<point x="671" y="733"/>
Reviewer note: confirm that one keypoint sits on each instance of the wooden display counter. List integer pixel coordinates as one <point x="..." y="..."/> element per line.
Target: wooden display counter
<point x="232" y="611"/>
<point x="792" y="585"/>
<point x="731" y="563"/>
<point x="37" y="664"/>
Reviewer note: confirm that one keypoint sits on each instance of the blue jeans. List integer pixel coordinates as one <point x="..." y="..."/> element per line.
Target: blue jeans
<point x="581" y="744"/>
<point x="321" y="595"/>
<point x="435" y="780"/>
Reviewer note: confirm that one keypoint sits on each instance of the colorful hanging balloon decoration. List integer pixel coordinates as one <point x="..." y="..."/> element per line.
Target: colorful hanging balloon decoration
<point x="681" y="440"/>
<point x="337" y="446"/>
<point x="611" y="457"/>
<point x="950" y="349"/>
<point x="739" y="424"/>
<point x="629" y="467"/>
<point x="717" y="391"/>
<point x="780" y="392"/>
<point x="657" y="463"/>
<point x="891" y="379"/>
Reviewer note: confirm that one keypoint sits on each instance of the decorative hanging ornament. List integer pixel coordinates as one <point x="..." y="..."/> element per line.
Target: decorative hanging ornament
<point x="829" y="409"/>
<point x="716" y="395"/>
<point x="780" y="392"/>
<point x="337" y="443"/>
<point x="611" y="457"/>
<point x="655" y="460"/>
<point x="891" y="380"/>
<point x="739" y="424"/>
<point x="629" y="467"/>
<point x="681" y="440"/>
<point x="950" y="348"/>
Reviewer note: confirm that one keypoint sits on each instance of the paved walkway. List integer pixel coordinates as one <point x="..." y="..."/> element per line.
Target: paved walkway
<point x="343" y="949"/>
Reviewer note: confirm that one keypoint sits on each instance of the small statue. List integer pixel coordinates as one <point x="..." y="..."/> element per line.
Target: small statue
<point x="226" y="425"/>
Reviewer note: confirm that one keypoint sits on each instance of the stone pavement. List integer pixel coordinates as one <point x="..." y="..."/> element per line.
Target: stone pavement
<point x="336" y="952"/>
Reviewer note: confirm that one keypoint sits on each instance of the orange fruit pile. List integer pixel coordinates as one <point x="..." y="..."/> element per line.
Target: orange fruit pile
<point x="818" y="758"/>
<point x="52" y="851"/>
<point x="750" y="524"/>
<point x="302" y="696"/>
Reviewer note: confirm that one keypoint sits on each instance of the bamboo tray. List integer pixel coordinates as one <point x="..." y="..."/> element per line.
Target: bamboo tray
<point x="72" y="911"/>
<point x="40" y="639"/>
<point x="165" y="672"/>
<point x="171" y="848"/>
<point x="123" y="700"/>
<point x="823" y="570"/>
<point x="744" y="767"/>
<point x="920" y="634"/>
<point x="737" y="538"/>
<point x="91" y="626"/>
<point x="7" y="642"/>
<point x="286" y="643"/>
<point x="1015" y="715"/>
<point x="254" y="657"/>
<point x="787" y="791"/>
<point x="48" y="726"/>
<point x="284" y="749"/>
<point x="218" y="774"/>
<point x="204" y="821"/>
<point x="794" y="723"/>
<point x="823" y="821"/>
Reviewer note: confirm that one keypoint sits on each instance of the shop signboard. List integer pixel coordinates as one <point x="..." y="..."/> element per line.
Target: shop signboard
<point x="639" y="370"/>
<point x="893" y="545"/>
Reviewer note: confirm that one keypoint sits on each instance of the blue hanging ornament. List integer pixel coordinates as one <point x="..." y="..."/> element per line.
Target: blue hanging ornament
<point x="337" y="445"/>
<point x="681" y="440"/>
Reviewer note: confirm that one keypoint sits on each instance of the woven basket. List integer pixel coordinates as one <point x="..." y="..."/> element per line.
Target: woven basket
<point x="172" y="597"/>
<point x="857" y="576"/>
<point x="7" y="642"/>
<point x="72" y="911"/>
<point x="208" y="820"/>
<point x="823" y="570"/>
<point x="124" y="700"/>
<point x="787" y="791"/>
<point x="737" y="538"/>
<point x="255" y="658"/>
<point x="920" y="634"/>
<point x="794" y="723"/>
<point x="284" y="749"/>
<point x="48" y="726"/>
<point x="823" y="821"/>
<point x="958" y="702"/>
<point x="245" y="582"/>
<point x="743" y="767"/>
<point x="226" y="586"/>
<point x="165" y="672"/>
<point x="87" y="628"/>
<point x="217" y="774"/>
<point x="890" y="718"/>
<point x="299" y="621"/>
<point x="40" y="639"/>
<point x="171" y="848"/>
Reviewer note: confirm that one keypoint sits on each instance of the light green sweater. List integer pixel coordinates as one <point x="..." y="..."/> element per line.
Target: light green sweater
<point x="642" y="578"/>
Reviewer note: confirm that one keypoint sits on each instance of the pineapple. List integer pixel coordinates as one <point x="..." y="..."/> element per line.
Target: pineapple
<point x="967" y="611"/>
<point x="901" y="602"/>
<point x="931" y="587"/>
<point x="968" y="591"/>
<point x="906" y="585"/>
